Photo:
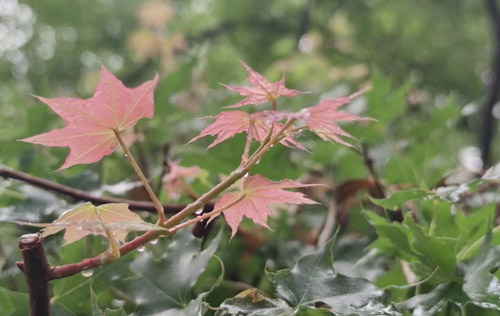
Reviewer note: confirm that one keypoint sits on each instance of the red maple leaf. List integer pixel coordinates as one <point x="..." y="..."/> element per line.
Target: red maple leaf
<point x="322" y="118"/>
<point x="175" y="179"/>
<point x="228" y="124"/>
<point x="90" y="123"/>
<point x="262" y="90"/>
<point x="254" y="198"/>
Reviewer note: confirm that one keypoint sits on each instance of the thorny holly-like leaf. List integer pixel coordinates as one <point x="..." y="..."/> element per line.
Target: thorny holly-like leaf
<point x="228" y="124"/>
<point x="90" y="123"/>
<point x="88" y="219"/>
<point x="253" y="201"/>
<point x="322" y="118"/>
<point x="262" y="90"/>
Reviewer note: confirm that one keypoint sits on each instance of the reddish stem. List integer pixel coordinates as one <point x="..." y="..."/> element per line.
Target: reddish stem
<point x="100" y="260"/>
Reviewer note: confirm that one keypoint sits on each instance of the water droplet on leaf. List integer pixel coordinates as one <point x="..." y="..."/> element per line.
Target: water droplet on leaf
<point x="117" y="303"/>
<point x="87" y="272"/>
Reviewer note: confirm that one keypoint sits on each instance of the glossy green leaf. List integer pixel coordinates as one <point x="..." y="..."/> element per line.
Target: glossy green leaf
<point x="96" y="311"/>
<point x="313" y="281"/>
<point x="164" y="284"/>
<point x="433" y="252"/>
<point x="480" y="286"/>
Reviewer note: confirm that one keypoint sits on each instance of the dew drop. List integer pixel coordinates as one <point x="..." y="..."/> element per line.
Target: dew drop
<point x="258" y="161"/>
<point x="126" y="155"/>
<point x="141" y="248"/>
<point x="154" y="241"/>
<point x="246" y="175"/>
<point x="199" y="211"/>
<point x="117" y="303"/>
<point x="87" y="272"/>
<point x="272" y="146"/>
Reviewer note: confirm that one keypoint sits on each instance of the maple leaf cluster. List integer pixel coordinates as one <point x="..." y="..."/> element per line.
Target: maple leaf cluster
<point x="258" y="192"/>
<point x="92" y="126"/>
<point x="322" y="119"/>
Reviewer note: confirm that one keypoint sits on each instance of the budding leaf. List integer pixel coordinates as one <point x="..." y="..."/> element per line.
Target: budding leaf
<point x="253" y="201"/>
<point x="90" y="123"/>
<point x="262" y="90"/>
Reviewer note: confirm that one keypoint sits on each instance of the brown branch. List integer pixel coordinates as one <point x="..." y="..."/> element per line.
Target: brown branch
<point x="36" y="272"/>
<point x="79" y="195"/>
<point x="486" y="129"/>
<point x="165" y="168"/>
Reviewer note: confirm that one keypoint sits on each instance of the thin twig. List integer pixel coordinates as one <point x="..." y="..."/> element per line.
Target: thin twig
<point x="79" y="195"/>
<point x="36" y="272"/>
<point x="165" y="168"/>
<point x="486" y="129"/>
<point x="152" y="194"/>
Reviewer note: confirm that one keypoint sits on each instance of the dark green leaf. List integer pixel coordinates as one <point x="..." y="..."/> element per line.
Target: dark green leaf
<point x="165" y="284"/>
<point x="96" y="311"/>
<point x="479" y="288"/>
<point x="314" y="281"/>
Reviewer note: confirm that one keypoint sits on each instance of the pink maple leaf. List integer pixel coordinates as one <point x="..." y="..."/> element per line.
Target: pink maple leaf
<point x="262" y="90"/>
<point x="254" y="199"/>
<point x="90" y="123"/>
<point x="322" y="119"/>
<point x="175" y="179"/>
<point x="228" y="124"/>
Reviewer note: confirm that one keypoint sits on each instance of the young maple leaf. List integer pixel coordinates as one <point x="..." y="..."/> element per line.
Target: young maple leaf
<point x="254" y="198"/>
<point x="175" y="179"/>
<point x="89" y="219"/>
<point x="262" y="90"/>
<point x="322" y="118"/>
<point x="90" y="123"/>
<point x="228" y="124"/>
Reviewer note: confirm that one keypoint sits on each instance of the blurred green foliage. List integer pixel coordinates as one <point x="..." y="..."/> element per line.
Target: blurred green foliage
<point x="427" y="62"/>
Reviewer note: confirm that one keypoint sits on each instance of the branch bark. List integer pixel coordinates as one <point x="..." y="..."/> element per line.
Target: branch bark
<point x="486" y="131"/>
<point x="36" y="271"/>
<point x="79" y="195"/>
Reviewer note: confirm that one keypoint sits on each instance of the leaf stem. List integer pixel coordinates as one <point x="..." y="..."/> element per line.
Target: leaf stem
<point x="154" y="198"/>
<point x="206" y="215"/>
<point x="67" y="270"/>
<point x="232" y="178"/>
<point x="114" y="252"/>
<point x="246" y="151"/>
<point x="468" y="252"/>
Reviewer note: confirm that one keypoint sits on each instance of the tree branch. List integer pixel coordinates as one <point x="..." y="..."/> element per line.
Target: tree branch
<point x="79" y="195"/>
<point x="36" y="272"/>
<point x="487" y="122"/>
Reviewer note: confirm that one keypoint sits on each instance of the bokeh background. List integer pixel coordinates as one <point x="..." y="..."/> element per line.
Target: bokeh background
<point x="428" y="62"/>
